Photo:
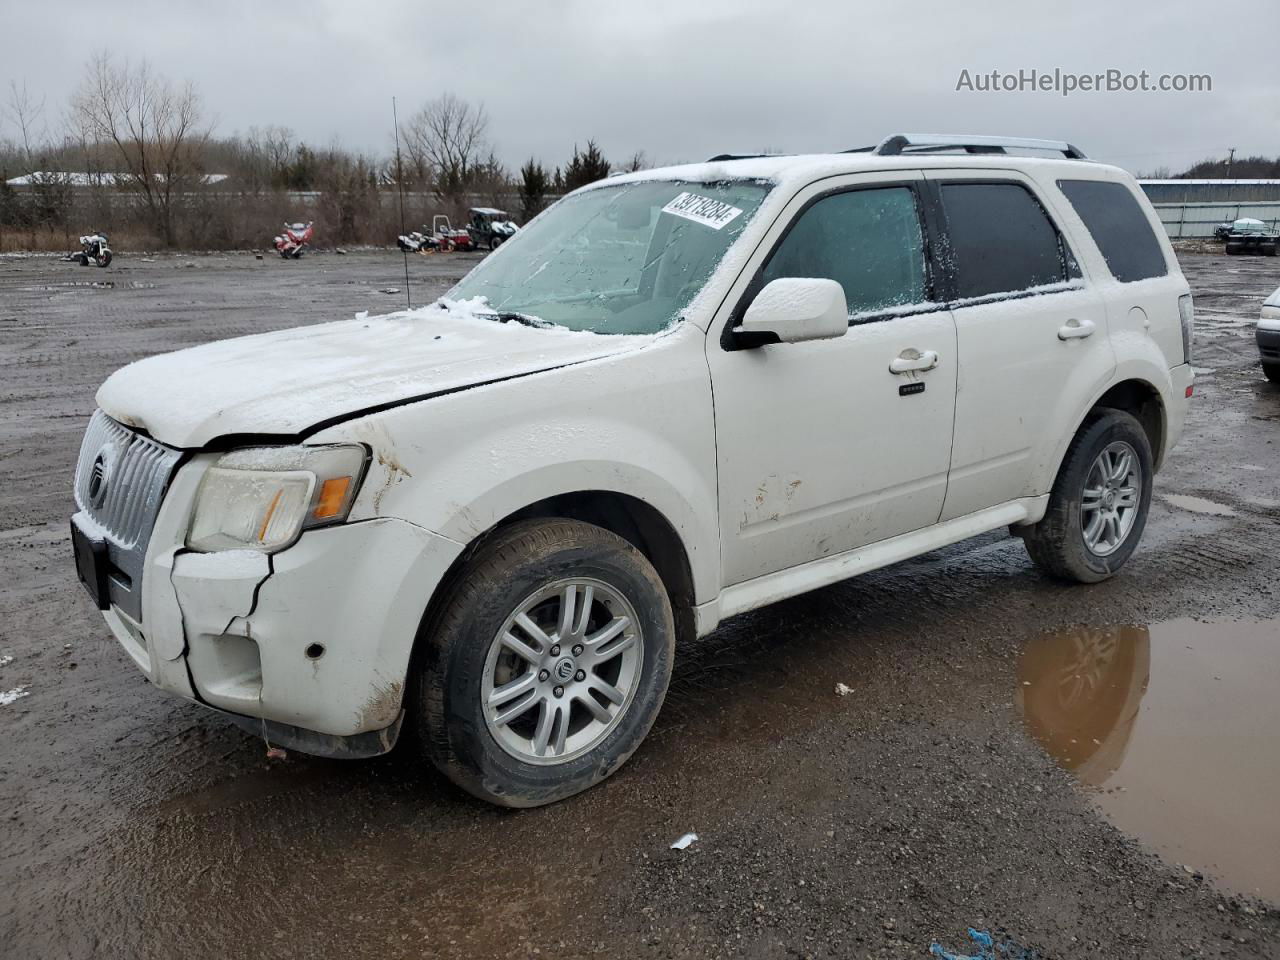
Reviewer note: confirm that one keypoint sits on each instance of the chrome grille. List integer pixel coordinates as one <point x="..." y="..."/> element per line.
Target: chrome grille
<point x="120" y="482"/>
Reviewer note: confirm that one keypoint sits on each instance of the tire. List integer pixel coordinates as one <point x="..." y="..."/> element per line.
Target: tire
<point x="1271" y="371"/>
<point x="84" y="260"/>
<point x="1057" y="543"/>
<point x="104" y="259"/>
<point x="1269" y="251"/>
<point x="1232" y="249"/>
<point x="460" y="656"/>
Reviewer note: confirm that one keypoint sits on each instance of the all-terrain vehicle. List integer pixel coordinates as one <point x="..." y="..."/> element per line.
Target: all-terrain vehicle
<point x="677" y="395"/>
<point x="447" y="236"/>
<point x="491" y="228"/>
<point x="1248" y="235"/>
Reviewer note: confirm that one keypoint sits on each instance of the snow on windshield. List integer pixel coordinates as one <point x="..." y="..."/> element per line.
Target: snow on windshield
<point x="619" y="259"/>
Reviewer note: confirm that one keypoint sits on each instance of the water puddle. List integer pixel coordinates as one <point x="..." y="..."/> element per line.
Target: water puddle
<point x="1197" y="505"/>
<point x="1175" y="726"/>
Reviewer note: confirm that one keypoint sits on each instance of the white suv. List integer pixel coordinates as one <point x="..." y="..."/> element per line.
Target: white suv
<point x="675" y="396"/>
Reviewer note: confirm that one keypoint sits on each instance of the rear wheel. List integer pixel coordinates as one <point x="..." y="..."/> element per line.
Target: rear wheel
<point x="546" y="665"/>
<point x="1099" y="502"/>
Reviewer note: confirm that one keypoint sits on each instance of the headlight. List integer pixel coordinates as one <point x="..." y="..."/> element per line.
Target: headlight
<point x="262" y="498"/>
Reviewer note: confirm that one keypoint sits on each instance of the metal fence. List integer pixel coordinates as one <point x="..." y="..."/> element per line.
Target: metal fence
<point x="1199" y="219"/>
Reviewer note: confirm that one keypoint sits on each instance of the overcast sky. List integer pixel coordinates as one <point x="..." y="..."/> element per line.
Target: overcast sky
<point x="684" y="80"/>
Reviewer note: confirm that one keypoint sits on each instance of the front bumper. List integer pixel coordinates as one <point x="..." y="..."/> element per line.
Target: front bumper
<point x="309" y="647"/>
<point x="1269" y="343"/>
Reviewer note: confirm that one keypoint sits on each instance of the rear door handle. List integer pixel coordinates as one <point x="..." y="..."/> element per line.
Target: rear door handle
<point x="1075" y="329"/>
<point x="911" y="360"/>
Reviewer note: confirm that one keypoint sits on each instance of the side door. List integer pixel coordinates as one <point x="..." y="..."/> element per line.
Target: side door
<point x="828" y="445"/>
<point x="1031" y="335"/>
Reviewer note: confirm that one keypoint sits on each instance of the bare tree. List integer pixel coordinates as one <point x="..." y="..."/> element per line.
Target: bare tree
<point x="447" y="137"/>
<point x="27" y="116"/>
<point x="156" y="128"/>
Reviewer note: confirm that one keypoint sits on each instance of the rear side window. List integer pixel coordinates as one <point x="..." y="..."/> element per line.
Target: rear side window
<point x="1119" y="228"/>
<point x="1001" y="241"/>
<point x="867" y="240"/>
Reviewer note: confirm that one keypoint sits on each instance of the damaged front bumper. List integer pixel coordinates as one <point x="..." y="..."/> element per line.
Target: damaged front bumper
<point x="308" y="647"/>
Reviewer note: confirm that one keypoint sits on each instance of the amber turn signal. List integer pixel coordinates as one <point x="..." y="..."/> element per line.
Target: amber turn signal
<point x="333" y="494"/>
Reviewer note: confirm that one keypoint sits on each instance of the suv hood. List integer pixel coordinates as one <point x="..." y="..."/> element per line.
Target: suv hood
<point x="290" y="380"/>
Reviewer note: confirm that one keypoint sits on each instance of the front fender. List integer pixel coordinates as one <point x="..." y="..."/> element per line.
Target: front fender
<point x="638" y="424"/>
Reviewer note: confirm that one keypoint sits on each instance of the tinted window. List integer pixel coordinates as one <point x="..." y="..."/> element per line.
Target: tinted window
<point x="1001" y="240"/>
<point x="867" y="240"/>
<point x="1119" y="228"/>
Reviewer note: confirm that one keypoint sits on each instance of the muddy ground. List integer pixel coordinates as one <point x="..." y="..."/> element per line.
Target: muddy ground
<point x="871" y="824"/>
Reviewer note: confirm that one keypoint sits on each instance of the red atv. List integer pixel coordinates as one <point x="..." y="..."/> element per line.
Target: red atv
<point x="294" y="240"/>
<point x="447" y="237"/>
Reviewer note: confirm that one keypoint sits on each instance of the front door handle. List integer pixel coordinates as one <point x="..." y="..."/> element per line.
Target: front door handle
<point x="911" y="360"/>
<point x="1075" y="329"/>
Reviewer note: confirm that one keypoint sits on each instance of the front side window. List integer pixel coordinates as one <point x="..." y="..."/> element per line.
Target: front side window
<point x="1119" y="227"/>
<point x="869" y="241"/>
<point x="1000" y="240"/>
<point x="626" y="258"/>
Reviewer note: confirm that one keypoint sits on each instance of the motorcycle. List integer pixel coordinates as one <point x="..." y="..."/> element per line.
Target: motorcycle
<point x="94" y="248"/>
<point x="416" y="242"/>
<point x="294" y="240"/>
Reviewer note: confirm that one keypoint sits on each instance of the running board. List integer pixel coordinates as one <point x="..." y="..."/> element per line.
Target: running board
<point x="773" y="587"/>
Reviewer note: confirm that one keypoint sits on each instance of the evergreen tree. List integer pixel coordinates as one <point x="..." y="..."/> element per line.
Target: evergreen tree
<point x="533" y="189"/>
<point x="585" y="167"/>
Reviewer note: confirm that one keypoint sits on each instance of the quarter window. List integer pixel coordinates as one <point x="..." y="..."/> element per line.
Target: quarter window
<point x="1000" y="240"/>
<point x="1119" y="228"/>
<point x="869" y="241"/>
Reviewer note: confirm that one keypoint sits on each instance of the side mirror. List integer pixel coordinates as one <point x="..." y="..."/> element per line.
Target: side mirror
<point x="794" y="309"/>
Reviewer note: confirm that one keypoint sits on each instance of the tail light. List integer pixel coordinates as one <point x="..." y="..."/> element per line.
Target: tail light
<point x="1187" y="314"/>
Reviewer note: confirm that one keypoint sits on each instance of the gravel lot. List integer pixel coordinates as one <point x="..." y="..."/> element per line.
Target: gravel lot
<point x="870" y="824"/>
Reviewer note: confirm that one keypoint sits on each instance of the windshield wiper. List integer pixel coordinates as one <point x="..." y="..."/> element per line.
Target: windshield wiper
<point x="508" y="316"/>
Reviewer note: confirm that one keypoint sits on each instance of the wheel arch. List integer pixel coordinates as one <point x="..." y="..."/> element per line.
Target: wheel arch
<point x="638" y="522"/>
<point x="1136" y="394"/>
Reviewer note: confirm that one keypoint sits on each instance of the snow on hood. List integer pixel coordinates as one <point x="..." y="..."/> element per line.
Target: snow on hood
<point x="289" y="380"/>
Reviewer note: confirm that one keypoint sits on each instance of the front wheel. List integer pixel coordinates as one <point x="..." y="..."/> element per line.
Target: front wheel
<point x="1099" y="502"/>
<point x="104" y="258"/>
<point x="1271" y="371"/>
<point x="546" y="664"/>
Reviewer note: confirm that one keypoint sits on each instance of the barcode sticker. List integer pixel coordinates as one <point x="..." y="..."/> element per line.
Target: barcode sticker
<point x="704" y="210"/>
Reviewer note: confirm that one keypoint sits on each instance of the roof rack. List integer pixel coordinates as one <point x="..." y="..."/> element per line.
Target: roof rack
<point x="739" y="156"/>
<point x="901" y="143"/>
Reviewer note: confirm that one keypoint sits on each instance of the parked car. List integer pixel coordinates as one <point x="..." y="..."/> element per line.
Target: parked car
<point x="1253" y="236"/>
<point x="678" y="395"/>
<point x="491" y="228"/>
<point x="1268" y="335"/>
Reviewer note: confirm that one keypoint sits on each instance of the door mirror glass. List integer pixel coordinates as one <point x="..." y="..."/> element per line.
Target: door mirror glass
<point x="793" y="309"/>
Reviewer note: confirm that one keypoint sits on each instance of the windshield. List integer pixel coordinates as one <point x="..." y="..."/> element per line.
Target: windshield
<point x="618" y="259"/>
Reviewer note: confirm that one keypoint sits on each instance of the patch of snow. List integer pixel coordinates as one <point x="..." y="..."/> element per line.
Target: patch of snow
<point x="9" y="696"/>
<point x="6" y="660"/>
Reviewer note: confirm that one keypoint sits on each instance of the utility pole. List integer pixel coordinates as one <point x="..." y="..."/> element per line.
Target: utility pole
<point x="1231" y="156"/>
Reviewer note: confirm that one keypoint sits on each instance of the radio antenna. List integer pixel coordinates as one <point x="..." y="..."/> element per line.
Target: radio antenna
<point x="395" y="120"/>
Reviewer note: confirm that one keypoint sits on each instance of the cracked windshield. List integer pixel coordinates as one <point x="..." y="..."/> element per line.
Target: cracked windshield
<point x="619" y="259"/>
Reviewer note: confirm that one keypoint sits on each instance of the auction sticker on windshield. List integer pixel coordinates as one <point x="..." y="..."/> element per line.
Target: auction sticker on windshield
<point x="705" y="210"/>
